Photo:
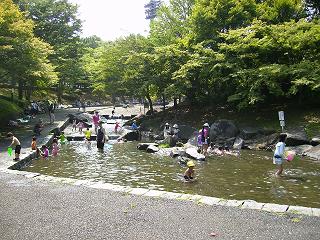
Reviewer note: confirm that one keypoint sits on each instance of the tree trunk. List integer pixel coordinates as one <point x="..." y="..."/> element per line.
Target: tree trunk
<point x="20" y="89"/>
<point x="163" y="102"/>
<point x="60" y="92"/>
<point x="150" y="102"/>
<point x="175" y="102"/>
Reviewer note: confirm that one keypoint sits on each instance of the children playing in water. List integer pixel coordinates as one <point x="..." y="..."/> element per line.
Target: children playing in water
<point x="189" y="173"/>
<point x="55" y="148"/>
<point x="62" y="138"/>
<point x="74" y="125"/>
<point x="205" y="139"/>
<point x="34" y="143"/>
<point x="116" y="127"/>
<point x="278" y="156"/>
<point x="15" y="143"/>
<point x="80" y="126"/>
<point x="95" y="120"/>
<point x="44" y="151"/>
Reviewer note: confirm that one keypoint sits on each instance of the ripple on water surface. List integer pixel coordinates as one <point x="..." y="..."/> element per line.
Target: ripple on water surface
<point x="249" y="176"/>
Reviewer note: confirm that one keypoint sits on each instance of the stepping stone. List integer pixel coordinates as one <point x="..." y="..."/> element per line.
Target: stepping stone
<point x="271" y="207"/>
<point x="252" y="205"/>
<point x="300" y="210"/>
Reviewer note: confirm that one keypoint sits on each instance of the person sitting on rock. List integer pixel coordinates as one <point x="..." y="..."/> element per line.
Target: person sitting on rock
<point x="166" y="130"/>
<point x="134" y="125"/>
<point x="38" y="128"/>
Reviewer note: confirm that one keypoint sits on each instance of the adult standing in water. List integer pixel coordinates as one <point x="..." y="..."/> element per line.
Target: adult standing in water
<point x="96" y="120"/>
<point x="101" y="136"/>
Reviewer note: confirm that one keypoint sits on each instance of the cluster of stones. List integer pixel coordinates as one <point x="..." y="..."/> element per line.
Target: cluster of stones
<point x="198" y="199"/>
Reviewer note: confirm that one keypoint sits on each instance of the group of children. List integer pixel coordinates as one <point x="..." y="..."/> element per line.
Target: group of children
<point x="44" y="151"/>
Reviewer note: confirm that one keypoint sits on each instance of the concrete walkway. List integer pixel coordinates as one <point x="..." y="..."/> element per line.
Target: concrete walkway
<point x="35" y="208"/>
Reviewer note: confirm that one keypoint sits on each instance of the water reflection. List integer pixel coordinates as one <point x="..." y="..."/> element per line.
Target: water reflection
<point x="250" y="176"/>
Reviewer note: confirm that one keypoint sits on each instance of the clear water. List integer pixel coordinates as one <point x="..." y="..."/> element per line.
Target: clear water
<point x="249" y="176"/>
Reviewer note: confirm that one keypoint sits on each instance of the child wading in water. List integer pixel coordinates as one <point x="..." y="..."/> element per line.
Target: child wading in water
<point x="189" y="173"/>
<point x="278" y="156"/>
<point x="55" y="148"/>
<point x="34" y="143"/>
<point x="44" y="151"/>
<point x="15" y="143"/>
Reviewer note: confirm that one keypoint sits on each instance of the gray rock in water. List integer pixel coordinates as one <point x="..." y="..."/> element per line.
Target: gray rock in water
<point x="259" y="143"/>
<point x="238" y="143"/>
<point x="192" y="153"/>
<point x="144" y="146"/>
<point x="132" y="136"/>
<point x="152" y="149"/>
<point x="249" y="132"/>
<point x="314" y="152"/>
<point x="223" y="129"/>
<point x="177" y="152"/>
<point x="186" y="132"/>
<point x="300" y="150"/>
<point x="297" y="137"/>
<point x="315" y="141"/>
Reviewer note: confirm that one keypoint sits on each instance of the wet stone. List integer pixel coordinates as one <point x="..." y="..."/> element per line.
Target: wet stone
<point x="252" y="205"/>
<point x="102" y="185"/>
<point x="185" y="197"/>
<point x="82" y="183"/>
<point x="210" y="200"/>
<point x="231" y="203"/>
<point x="271" y="207"/>
<point x="316" y="212"/>
<point x="154" y="193"/>
<point x="119" y="188"/>
<point x="32" y="175"/>
<point x="171" y="195"/>
<point x="139" y="191"/>
<point x="300" y="210"/>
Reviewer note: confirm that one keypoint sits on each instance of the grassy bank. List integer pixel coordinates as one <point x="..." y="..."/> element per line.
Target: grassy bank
<point x="264" y="117"/>
<point x="8" y="111"/>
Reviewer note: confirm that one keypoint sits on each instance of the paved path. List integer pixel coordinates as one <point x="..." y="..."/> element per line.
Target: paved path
<point x="34" y="209"/>
<point x="31" y="208"/>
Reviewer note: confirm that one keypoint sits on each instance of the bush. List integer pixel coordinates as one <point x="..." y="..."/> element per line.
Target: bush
<point x="8" y="111"/>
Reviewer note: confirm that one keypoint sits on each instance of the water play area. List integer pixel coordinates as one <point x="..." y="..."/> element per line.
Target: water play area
<point x="249" y="176"/>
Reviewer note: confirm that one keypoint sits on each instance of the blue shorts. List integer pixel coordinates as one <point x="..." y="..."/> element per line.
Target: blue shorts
<point x="277" y="161"/>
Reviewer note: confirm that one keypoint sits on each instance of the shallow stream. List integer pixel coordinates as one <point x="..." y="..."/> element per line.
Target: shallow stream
<point x="249" y="176"/>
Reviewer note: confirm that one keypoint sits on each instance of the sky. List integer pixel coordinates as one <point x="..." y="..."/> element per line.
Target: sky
<point x="111" y="19"/>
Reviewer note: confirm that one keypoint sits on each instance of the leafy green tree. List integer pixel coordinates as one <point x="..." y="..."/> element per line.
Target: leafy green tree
<point x="57" y="23"/>
<point x="172" y="21"/>
<point x="23" y="57"/>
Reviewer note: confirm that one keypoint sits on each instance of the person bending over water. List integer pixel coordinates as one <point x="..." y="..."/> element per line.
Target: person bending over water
<point x="15" y="143"/>
<point x="278" y="156"/>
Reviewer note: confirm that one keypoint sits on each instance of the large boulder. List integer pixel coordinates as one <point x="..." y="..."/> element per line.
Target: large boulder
<point x="249" y="132"/>
<point x="314" y="152"/>
<point x="144" y="146"/>
<point x="261" y="142"/>
<point x="297" y="137"/>
<point x="176" y="152"/>
<point x="132" y="136"/>
<point x="193" y="153"/>
<point x="223" y="129"/>
<point x="152" y="148"/>
<point x="186" y="132"/>
<point x="300" y="150"/>
<point x="315" y="141"/>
